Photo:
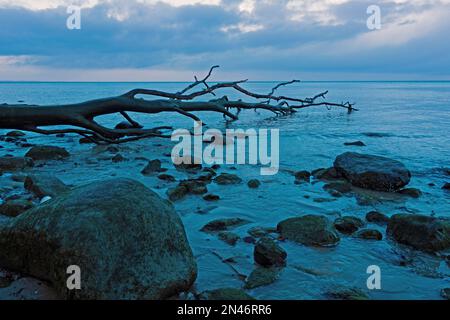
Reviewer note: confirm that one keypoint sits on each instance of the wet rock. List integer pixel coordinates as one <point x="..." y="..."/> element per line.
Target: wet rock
<point x="85" y="227"/>
<point x="302" y="176"/>
<point x="445" y="293"/>
<point x="254" y="184"/>
<point x="42" y="185"/>
<point x="326" y="174"/>
<point x="412" y="192"/>
<point x="15" y="133"/>
<point x="372" y="172"/>
<point x="211" y="197"/>
<point x="268" y="253"/>
<point x="227" y="179"/>
<point x="223" y="224"/>
<point x="369" y="234"/>
<point x="310" y="230"/>
<point x="189" y="167"/>
<point x="355" y="143"/>
<point x="446" y="186"/>
<point x="344" y="293"/>
<point x="166" y="177"/>
<point x="228" y="237"/>
<point x="323" y="200"/>
<point x="153" y="167"/>
<point x="118" y="158"/>
<point x="226" y="294"/>
<point x="195" y="186"/>
<point x="348" y="224"/>
<point x="12" y="208"/>
<point x="177" y="193"/>
<point x="47" y="153"/>
<point x="341" y="187"/>
<point x="420" y="232"/>
<point x="377" y="217"/>
<point x="10" y="164"/>
<point x="261" y="277"/>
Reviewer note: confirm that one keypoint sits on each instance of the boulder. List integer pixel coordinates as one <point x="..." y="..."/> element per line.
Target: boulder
<point x="128" y="242"/>
<point x="268" y="253"/>
<point x="421" y="232"/>
<point x="348" y="224"/>
<point x="42" y="185"/>
<point x="227" y="179"/>
<point x="14" y="207"/>
<point x="372" y="172"/>
<point x="310" y="230"/>
<point x="38" y="153"/>
<point x="10" y="164"/>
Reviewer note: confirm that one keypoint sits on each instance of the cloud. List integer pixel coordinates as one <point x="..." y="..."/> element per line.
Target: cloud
<point x="265" y="38"/>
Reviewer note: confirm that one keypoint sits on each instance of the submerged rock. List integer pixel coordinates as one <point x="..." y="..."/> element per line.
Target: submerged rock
<point x="47" y="153"/>
<point x="310" y="230"/>
<point x="446" y="186"/>
<point x="412" y="192"/>
<point x="302" y="176"/>
<point x="177" y="193"/>
<point x="377" y="217"/>
<point x="211" y="197"/>
<point x="10" y="164"/>
<point x="121" y="235"/>
<point x="372" y="172"/>
<point x="348" y="224"/>
<point x="369" y="234"/>
<point x="254" y="184"/>
<point x="14" y="207"/>
<point x="341" y="187"/>
<point x="118" y="158"/>
<point x="42" y="185"/>
<point x="259" y="232"/>
<point x="420" y="232"/>
<point x="227" y="179"/>
<point x="261" y="277"/>
<point x="226" y="294"/>
<point x="153" y="166"/>
<point x="228" y="237"/>
<point x="326" y="174"/>
<point x="223" y="224"/>
<point x="355" y="143"/>
<point x="166" y="177"/>
<point x="268" y="253"/>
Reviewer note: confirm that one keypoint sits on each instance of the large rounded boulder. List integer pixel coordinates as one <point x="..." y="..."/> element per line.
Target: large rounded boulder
<point x="372" y="172"/>
<point x="127" y="241"/>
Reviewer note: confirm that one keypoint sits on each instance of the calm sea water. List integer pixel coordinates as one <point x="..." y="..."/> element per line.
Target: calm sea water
<point x="411" y="121"/>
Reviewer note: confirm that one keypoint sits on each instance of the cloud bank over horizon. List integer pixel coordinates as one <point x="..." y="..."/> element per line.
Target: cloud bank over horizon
<point x="163" y="40"/>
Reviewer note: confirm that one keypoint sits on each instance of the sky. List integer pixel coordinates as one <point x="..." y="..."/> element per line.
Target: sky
<point x="171" y="40"/>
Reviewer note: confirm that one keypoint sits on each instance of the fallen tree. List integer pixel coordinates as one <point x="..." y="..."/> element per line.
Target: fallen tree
<point x="80" y="117"/>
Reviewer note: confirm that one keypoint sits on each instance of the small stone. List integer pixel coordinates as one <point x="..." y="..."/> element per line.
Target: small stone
<point x="118" y="158"/>
<point x="304" y="176"/>
<point x="261" y="277"/>
<point x="355" y="143"/>
<point x="166" y="177"/>
<point x="259" y="232"/>
<point x="228" y="237"/>
<point x="227" y="179"/>
<point x="412" y="192"/>
<point x="177" y="193"/>
<point x="223" y="224"/>
<point x="211" y="197"/>
<point x="446" y="186"/>
<point x="268" y="253"/>
<point x="13" y="208"/>
<point x="369" y="234"/>
<point x="153" y="166"/>
<point x="194" y="186"/>
<point x="348" y="224"/>
<point x="377" y="217"/>
<point x="254" y="184"/>
<point x="47" y="153"/>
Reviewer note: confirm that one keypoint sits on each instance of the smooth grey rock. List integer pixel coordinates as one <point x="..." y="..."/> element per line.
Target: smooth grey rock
<point x="227" y="179"/>
<point x="38" y="153"/>
<point x="348" y="224"/>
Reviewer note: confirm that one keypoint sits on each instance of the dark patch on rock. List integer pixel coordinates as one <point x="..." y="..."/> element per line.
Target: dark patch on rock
<point x="372" y="172"/>
<point x="348" y="224"/>
<point x="268" y="253"/>
<point x="310" y="230"/>
<point x="38" y="153"/>
<point x="420" y="232"/>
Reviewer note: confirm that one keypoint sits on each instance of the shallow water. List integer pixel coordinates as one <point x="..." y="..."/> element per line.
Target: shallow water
<point x="407" y="121"/>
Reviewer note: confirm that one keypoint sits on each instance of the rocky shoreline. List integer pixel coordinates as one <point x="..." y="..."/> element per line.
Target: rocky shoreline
<point x="131" y="243"/>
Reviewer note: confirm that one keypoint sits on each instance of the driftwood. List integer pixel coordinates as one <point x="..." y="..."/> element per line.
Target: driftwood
<point x="80" y="117"/>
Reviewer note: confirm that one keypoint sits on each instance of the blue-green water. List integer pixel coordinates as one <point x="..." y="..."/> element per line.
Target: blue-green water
<point x="411" y="119"/>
